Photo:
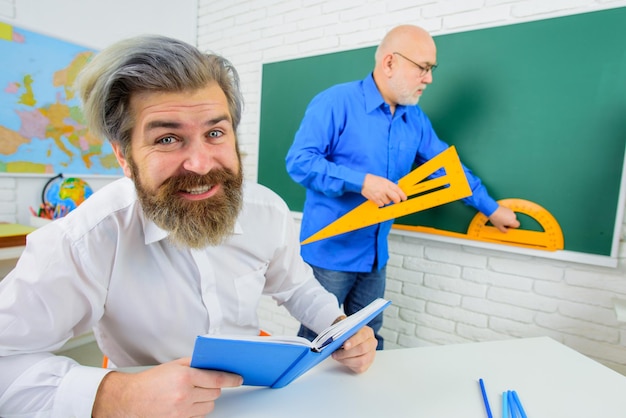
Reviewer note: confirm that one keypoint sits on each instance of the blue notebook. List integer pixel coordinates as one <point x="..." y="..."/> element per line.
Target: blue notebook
<point x="276" y="361"/>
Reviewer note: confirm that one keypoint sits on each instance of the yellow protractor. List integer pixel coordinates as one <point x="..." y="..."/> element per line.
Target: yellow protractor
<point x="551" y="238"/>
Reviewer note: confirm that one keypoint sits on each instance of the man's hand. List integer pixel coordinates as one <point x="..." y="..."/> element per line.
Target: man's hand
<point x="358" y="352"/>
<point x="504" y="218"/>
<point x="170" y="390"/>
<point x="381" y="191"/>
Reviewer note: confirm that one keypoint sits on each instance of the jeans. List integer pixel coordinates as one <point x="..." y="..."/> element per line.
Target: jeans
<point x="354" y="291"/>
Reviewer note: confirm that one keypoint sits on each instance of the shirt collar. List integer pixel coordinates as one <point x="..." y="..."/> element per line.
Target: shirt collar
<point x="152" y="232"/>
<point x="374" y="100"/>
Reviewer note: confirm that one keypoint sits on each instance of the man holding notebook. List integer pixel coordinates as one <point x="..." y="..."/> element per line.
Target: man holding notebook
<point x="181" y="247"/>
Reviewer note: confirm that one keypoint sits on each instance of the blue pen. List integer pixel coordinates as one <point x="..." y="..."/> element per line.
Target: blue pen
<point x="485" y="398"/>
<point x="518" y="403"/>
<point x="512" y="406"/>
<point x="505" y="405"/>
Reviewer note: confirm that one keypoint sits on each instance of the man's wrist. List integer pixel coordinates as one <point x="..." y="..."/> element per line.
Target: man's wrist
<point x="108" y="392"/>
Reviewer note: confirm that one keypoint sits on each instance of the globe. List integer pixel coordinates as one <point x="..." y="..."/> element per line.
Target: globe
<point x="67" y="192"/>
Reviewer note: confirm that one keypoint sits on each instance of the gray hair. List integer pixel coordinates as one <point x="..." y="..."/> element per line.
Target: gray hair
<point x="153" y="64"/>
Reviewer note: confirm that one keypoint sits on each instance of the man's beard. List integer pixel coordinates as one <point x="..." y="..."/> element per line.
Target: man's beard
<point x="193" y="223"/>
<point x="405" y="95"/>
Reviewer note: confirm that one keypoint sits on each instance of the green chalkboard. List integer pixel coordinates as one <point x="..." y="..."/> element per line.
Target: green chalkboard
<point x="537" y="110"/>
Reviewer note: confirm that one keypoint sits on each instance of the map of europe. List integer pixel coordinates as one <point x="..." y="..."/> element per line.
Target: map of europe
<point x="42" y="129"/>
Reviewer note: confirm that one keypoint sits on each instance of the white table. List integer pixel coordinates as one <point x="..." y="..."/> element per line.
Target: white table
<point x="552" y="380"/>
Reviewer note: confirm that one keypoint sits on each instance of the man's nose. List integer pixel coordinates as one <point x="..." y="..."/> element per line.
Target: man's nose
<point x="428" y="77"/>
<point x="198" y="157"/>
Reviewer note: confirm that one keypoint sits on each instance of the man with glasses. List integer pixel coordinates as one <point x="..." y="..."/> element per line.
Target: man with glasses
<point x="355" y="142"/>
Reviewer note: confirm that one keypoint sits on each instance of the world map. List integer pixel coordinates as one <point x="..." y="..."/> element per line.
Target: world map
<point x="42" y="129"/>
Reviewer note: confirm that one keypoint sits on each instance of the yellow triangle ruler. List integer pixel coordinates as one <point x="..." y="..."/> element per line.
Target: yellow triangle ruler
<point x="427" y="193"/>
<point x="549" y="239"/>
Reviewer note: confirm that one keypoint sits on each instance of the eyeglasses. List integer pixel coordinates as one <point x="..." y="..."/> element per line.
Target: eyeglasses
<point x="423" y="69"/>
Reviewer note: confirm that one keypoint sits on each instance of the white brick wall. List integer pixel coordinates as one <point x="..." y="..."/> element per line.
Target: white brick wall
<point x="8" y="203"/>
<point x="442" y="293"/>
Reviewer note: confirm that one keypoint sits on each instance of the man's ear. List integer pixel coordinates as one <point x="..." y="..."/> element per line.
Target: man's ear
<point x="388" y="64"/>
<point x="117" y="150"/>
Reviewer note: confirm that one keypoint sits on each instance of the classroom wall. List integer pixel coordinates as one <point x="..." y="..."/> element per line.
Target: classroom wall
<point x="94" y="24"/>
<point x="442" y="293"/>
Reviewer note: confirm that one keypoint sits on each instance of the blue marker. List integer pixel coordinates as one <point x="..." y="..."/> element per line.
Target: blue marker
<point x="505" y="405"/>
<point x="520" y="408"/>
<point x="512" y="408"/>
<point x="485" y="398"/>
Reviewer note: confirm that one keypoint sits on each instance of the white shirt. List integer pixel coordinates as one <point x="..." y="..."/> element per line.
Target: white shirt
<point x="104" y="266"/>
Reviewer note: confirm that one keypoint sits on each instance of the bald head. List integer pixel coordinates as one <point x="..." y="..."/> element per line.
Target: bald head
<point x="409" y="40"/>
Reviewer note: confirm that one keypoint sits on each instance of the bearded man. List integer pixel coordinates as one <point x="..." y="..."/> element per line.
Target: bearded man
<point x="182" y="246"/>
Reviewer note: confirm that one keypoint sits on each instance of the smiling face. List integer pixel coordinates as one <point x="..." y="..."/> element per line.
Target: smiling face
<point x="185" y="164"/>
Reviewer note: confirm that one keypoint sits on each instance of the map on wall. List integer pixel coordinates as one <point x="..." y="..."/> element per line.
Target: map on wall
<point x="42" y="129"/>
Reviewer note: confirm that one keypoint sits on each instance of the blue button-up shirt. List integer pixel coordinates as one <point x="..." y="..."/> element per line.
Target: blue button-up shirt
<point x="347" y="132"/>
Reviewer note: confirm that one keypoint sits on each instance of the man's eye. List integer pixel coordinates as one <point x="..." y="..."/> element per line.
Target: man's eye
<point x="215" y="134"/>
<point x="167" y="140"/>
